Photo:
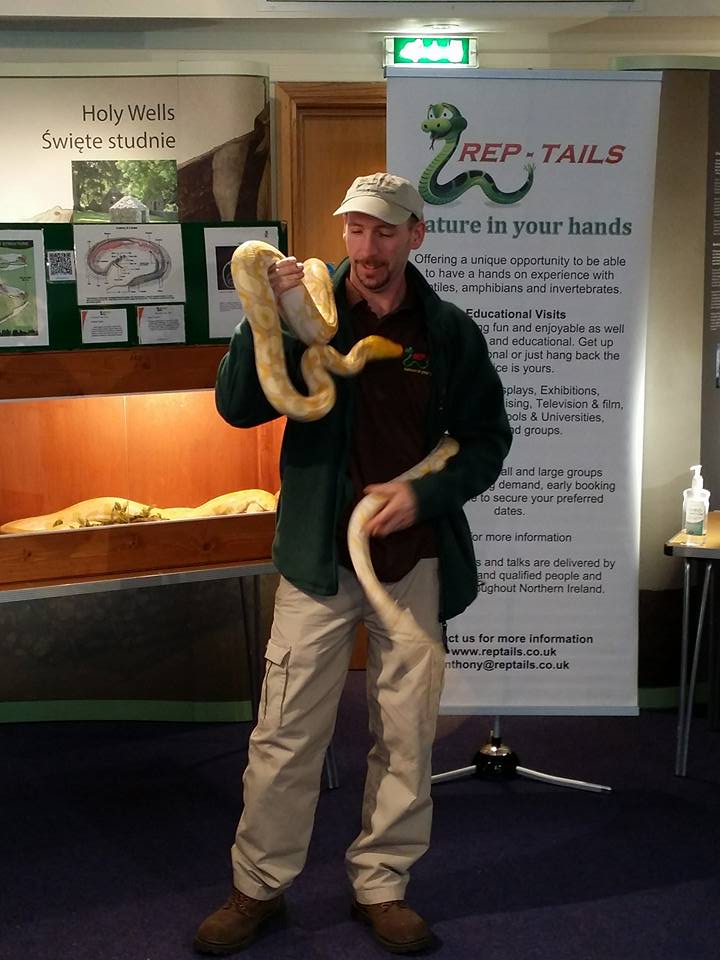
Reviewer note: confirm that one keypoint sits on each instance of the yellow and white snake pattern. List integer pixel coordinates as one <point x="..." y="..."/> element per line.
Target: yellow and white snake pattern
<point x="310" y="311"/>
<point x="391" y="615"/>
<point x="102" y="511"/>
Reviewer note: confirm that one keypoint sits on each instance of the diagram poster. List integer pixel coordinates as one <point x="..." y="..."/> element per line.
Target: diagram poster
<point x="129" y="263"/>
<point x="538" y="195"/>
<point x="23" y="295"/>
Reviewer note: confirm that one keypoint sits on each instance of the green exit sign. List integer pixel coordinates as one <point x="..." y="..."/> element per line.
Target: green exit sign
<point x="431" y="51"/>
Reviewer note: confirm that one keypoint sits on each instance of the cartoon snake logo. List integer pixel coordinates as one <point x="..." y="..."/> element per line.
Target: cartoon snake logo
<point x="445" y="122"/>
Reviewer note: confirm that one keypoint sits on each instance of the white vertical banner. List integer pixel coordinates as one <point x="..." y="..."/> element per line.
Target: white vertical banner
<point x="538" y="193"/>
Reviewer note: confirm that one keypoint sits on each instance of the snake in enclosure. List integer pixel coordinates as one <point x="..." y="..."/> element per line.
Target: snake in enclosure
<point x="104" y="511"/>
<point x="445" y="122"/>
<point x="309" y="309"/>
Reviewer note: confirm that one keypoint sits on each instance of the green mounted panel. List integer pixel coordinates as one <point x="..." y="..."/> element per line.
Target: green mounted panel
<point x="62" y="297"/>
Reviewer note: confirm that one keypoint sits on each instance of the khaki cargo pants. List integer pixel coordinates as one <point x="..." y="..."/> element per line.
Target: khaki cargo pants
<point x="307" y="660"/>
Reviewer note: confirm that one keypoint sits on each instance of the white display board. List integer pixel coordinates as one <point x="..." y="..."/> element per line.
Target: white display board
<point x="67" y="130"/>
<point x="538" y="190"/>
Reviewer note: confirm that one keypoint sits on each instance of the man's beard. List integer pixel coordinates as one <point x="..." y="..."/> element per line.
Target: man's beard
<point x="378" y="277"/>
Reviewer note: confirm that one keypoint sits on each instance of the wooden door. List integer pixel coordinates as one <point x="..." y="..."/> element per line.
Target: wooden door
<point x="327" y="134"/>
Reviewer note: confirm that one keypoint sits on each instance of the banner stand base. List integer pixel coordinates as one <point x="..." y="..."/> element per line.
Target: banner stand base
<point x="496" y="761"/>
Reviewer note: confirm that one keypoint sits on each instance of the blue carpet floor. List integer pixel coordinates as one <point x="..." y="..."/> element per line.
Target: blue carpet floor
<point x="114" y="842"/>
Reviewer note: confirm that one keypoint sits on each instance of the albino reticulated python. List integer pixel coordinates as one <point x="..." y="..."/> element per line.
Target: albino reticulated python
<point x="389" y="612"/>
<point x="102" y="511"/>
<point x="310" y="310"/>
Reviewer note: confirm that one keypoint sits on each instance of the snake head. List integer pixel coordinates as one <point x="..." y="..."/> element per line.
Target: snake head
<point x="443" y="122"/>
<point x="380" y="348"/>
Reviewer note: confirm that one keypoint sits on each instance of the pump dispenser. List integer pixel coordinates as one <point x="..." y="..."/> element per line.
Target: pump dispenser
<point x="696" y="504"/>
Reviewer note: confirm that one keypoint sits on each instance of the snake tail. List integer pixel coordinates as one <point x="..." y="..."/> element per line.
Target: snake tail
<point x="358" y="544"/>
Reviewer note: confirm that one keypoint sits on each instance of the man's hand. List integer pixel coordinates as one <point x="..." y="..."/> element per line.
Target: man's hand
<point x="284" y="275"/>
<point x="400" y="511"/>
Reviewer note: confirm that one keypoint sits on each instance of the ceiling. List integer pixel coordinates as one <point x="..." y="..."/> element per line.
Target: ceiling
<point x="642" y="27"/>
<point x="484" y="16"/>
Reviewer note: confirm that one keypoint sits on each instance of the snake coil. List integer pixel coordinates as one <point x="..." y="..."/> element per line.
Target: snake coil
<point x="310" y="311"/>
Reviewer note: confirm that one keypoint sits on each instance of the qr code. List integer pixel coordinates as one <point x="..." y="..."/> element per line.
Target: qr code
<point x="60" y="265"/>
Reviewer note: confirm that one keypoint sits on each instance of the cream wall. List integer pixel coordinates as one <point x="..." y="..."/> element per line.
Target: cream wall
<point x="299" y="51"/>
<point x="675" y="314"/>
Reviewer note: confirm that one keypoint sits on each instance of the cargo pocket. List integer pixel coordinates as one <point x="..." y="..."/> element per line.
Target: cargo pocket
<point x="275" y="683"/>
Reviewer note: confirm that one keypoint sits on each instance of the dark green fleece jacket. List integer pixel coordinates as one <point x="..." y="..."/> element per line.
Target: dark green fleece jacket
<point x="467" y="402"/>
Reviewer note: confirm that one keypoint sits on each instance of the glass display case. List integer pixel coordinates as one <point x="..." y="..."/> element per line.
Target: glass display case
<point x="142" y="620"/>
<point x="156" y="446"/>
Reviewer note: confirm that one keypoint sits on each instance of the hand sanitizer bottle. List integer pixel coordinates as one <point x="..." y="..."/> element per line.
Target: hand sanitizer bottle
<point x="696" y="503"/>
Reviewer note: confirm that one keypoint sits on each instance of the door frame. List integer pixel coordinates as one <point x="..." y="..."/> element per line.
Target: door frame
<point x="295" y="101"/>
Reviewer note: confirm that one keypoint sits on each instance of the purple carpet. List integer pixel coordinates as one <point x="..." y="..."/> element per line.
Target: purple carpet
<point x="114" y="841"/>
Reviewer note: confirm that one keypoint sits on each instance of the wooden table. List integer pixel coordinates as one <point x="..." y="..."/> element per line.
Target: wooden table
<point x="156" y="553"/>
<point x="701" y="553"/>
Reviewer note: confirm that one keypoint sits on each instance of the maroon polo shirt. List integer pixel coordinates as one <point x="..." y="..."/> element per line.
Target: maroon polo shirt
<point x="389" y="431"/>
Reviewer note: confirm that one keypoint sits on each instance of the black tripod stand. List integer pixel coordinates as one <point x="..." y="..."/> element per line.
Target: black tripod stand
<point x="496" y="761"/>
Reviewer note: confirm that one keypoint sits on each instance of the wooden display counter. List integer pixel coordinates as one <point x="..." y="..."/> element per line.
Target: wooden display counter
<point x="165" y="450"/>
<point x="40" y="560"/>
<point x="75" y="373"/>
<point x="136" y="424"/>
<point x="160" y="449"/>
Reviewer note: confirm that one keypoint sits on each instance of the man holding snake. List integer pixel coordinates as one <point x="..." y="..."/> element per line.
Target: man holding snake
<point x="383" y="422"/>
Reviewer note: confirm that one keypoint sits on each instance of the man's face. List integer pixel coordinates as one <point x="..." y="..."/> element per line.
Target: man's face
<point x="379" y="251"/>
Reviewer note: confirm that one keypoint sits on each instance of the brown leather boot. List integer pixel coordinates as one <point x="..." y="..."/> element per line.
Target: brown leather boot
<point x="395" y="925"/>
<point x="235" y="925"/>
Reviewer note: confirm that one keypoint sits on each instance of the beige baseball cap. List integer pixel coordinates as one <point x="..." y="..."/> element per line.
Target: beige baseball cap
<point x="382" y="195"/>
